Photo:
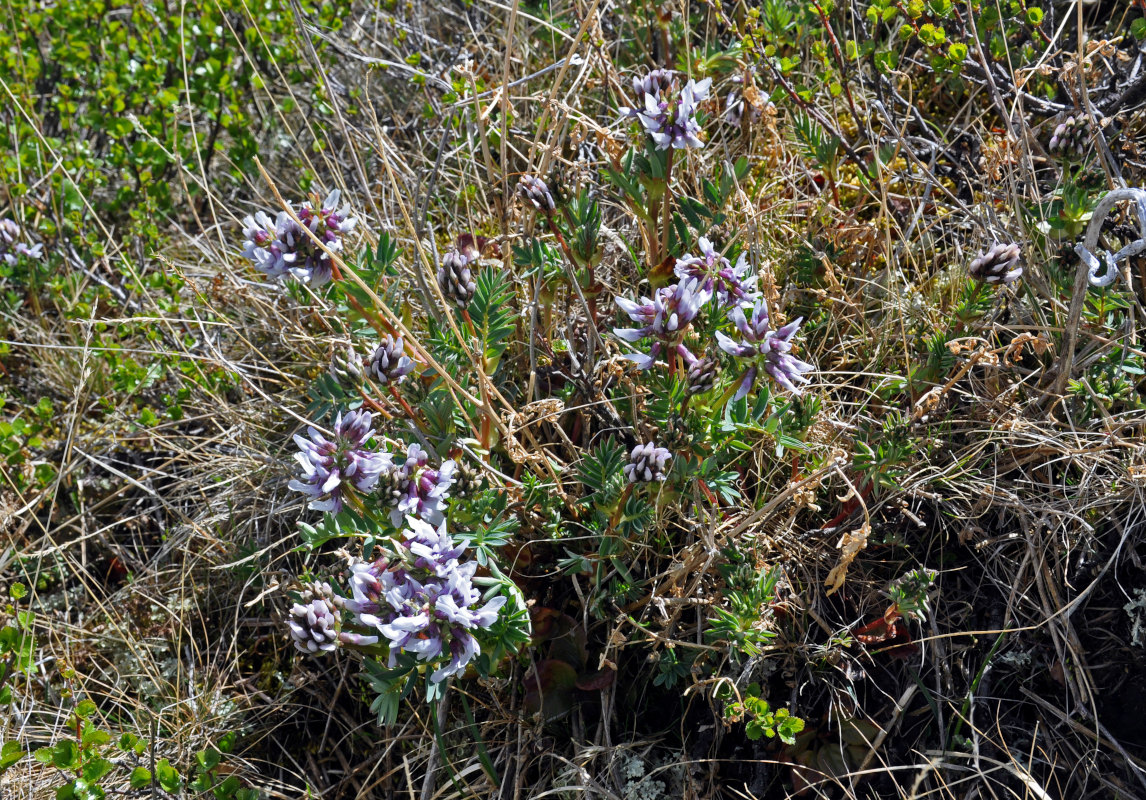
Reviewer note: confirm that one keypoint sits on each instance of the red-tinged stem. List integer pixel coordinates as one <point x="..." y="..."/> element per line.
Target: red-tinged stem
<point x="374" y="404"/>
<point x="405" y="406"/>
<point x="653" y="238"/>
<point x="849" y="507"/>
<point x="708" y="493"/>
<point x="377" y="322"/>
<point x="666" y="214"/>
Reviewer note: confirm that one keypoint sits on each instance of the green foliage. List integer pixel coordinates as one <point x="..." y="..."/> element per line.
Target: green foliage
<point x="583" y="215"/>
<point x="493" y="315"/>
<point x="762" y="721"/>
<point x="120" y="79"/>
<point x="1111" y="383"/>
<point x="92" y="763"/>
<point x="882" y="452"/>
<point x="601" y="472"/>
<point x="22" y="440"/>
<point x="909" y="593"/>
<point x="671" y="668"/>
<point x="740" y="624"/>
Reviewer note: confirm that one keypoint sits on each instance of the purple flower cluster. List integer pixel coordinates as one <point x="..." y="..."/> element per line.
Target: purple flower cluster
<point x="761" y="342"/>
<point x="455" y="276"/>
<point x="422" y="599"/>
<point x="733" y="285"/>
<point x="1000" y="264"/>
<point x="647" y="463"/>
<point x="664" y="317"/>
<point x="281" y="247"/>
<point x="417" y="489"/>
<point x="669" y="117"/>
<point x="11" y="248"/>
<point x="315" y="622"/>
<point x="328" y="465"/>
<point x="389" y="362"/>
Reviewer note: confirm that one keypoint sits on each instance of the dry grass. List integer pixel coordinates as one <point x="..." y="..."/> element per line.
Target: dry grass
<point x="161" y="551"/>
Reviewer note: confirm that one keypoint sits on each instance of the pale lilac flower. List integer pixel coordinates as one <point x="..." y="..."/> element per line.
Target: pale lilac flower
<point x="261" y="245"/>
<point x="733" y="285"/>
<point x="328" y="465"/>
<point x="432" y="549"/>
<point x="664" y="317"/>
<point x="701" y="375"/>
<point x="667" y="116"/>
<point x="389" y="362"/>
<point x="313" y="626"/>
<point x="417" y="489"/>
<point x="11" y="246"/>
<point x="1000" y="264"/>
<point x="346" y="365"/>
<point x="283" y="247"/>
<point x="762" y="343"/>
<point x="1071" y="135"/>
<point x="422" y="600"/>
<point x="315" y="621"/>
<point x="455" y="278"/>
<point x="656" y="82"/>
<point x="647" y="464"/>
<point x="534" y="191"/>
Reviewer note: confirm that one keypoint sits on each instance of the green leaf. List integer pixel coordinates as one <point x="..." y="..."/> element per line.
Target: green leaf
<point x="66" y="755"/>
<point x="96" y="768"/>
<point x="18" y="591"/>
<point x="140" y="778"/>
<point x="208" y="759"/>
<point x="227" y="788"/>
<point x="493" y="317"/>
<point x="226" y="742"/>
<point x="169" y="779"/>
<point x="10" y="754"/>
<point x="85" y="708"/>
<point x="94" y="736"/>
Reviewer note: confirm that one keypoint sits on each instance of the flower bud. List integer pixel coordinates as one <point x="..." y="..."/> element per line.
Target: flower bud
<point x="455" y="279"/>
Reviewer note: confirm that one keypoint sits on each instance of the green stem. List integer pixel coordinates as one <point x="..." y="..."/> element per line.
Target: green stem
<point x="966" y="709"/>
<point x="731" y="390"/>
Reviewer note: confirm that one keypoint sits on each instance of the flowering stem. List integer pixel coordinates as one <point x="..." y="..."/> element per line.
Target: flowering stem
<point x="374" y="404"/>
<point x="615" y="519"/>
<point x="377" y="322"/>
<point x="731" y="390"/>
<point x="406" y="406"/>
<point x="666" y="214"/>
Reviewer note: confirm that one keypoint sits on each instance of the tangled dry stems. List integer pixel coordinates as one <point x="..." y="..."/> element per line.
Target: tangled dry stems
<point x="1034" y="518"/>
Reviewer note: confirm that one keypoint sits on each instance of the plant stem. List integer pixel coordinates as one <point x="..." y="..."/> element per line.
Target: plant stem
<point x="666" y="214"/>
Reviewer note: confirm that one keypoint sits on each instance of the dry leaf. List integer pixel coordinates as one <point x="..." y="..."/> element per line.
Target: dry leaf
<point x="850" y="545"/>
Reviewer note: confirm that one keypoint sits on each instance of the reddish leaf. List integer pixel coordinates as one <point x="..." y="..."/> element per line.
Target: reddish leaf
<point x="601" y="679"/>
